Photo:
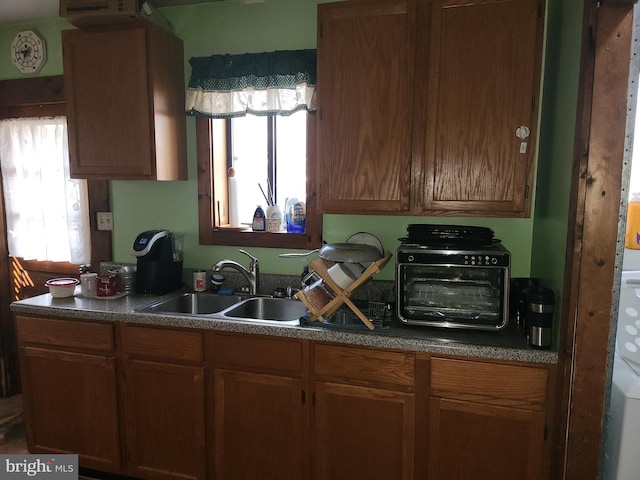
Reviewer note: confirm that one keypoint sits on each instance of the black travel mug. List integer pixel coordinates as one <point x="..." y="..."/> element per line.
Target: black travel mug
<point x="540" y="304"/>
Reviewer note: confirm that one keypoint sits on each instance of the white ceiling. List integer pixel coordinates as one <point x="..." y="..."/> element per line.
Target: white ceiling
<point x="24" y="11"/>
<point x="20" y="11"/>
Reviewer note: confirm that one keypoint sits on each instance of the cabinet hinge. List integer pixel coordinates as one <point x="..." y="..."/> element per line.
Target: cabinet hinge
<point x="533" y="103"/>
<point x="526" y="191"/>
<point x="303" y="397"/>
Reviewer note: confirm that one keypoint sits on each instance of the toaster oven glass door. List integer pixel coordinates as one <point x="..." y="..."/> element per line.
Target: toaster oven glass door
<point x="454" y="296"/>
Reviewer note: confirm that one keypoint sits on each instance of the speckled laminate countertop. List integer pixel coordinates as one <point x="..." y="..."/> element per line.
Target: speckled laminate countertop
<point x="507" y="344"/>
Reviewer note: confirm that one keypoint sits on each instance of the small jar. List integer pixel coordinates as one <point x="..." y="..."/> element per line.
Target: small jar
<point x="199" y="281"/>
<point x="274" y="218"/>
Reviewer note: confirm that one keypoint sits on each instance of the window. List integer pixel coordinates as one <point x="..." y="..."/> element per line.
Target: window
<point x="276" y="84"/>
<point x="46" y="211"/>
<point x="268" y="155"/>
<point x="214" y="147"/>
<point x="43" y="97"/>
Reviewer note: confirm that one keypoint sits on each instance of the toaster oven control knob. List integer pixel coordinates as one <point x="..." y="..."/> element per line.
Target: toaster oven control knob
<point x="494" y="261"/>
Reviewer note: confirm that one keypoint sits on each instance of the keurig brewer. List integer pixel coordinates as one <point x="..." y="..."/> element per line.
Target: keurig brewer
<point x="159" y="268"/>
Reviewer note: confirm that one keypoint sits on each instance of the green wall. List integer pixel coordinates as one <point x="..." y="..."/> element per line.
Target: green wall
<point x="562" y="67"/>
<point x="233" y="27"/>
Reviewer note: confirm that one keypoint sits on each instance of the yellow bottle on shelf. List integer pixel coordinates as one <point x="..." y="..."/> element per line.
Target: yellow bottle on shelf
<point x="632" y="235"/>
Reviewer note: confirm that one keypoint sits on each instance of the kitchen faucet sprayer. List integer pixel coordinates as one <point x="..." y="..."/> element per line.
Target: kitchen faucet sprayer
<point x="252" y="275"/>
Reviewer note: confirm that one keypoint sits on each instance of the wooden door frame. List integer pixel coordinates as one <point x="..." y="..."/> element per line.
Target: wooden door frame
<point x="34" y="97"/>
<point x="591" y="259"/>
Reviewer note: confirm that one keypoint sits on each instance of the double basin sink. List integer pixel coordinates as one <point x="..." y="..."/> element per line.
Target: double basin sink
<point x="269" y="310"/>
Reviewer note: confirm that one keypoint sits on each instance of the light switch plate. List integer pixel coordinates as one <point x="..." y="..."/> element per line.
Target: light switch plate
<point x="105" y="220"/>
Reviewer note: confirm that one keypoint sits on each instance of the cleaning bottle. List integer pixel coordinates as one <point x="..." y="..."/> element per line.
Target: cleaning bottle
<point x="259" y="221"/>
<point x="632" y="235"/>
<point x="295" y="216"/>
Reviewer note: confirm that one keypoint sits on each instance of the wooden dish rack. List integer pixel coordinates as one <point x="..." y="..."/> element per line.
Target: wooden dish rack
<point x="327" y="305"/>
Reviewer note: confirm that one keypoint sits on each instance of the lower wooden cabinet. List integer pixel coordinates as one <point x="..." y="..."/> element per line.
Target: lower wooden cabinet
<point x="69" y="386"/>
<point x="259" y="404"/>
<point x="165" y="423"/>
<point x="473" y="440"/>
<point x="486" y="421"/>
<point x="362" y="432"/>
<point x="258" y="426"/>
<point x="363" y="414"/>
<point x="164" y="403"/>
<point x="168" y="403"/>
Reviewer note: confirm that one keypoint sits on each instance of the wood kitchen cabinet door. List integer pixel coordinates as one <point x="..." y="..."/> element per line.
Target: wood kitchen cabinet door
<point x="362" y="432"/>
<point x="484" y="74"/>
<point x="70" y="389"/>
<point x="259" y="426"/>
<point x="472" y="440"/>
<point x="165" y="420"/>
<point x="428" y="107"/>
<point x="364" y="107"/>
<point x="363" y="415"/>
<point x="124" y="90"/>
<point x="260" y="419"/>
<point x="486" y="420"/>
<point x="70" y="404"/>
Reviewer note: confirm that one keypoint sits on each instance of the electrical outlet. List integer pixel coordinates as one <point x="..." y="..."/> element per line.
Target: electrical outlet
<point x="105" y="220"/>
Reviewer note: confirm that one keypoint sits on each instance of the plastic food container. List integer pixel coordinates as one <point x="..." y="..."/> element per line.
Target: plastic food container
<point x="62" y="287"/>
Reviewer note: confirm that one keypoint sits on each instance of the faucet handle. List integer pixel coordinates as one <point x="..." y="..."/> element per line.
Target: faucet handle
<point x="253" y="259"/>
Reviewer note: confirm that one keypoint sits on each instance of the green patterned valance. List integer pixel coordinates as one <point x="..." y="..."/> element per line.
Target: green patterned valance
<point x="271" y="83"/>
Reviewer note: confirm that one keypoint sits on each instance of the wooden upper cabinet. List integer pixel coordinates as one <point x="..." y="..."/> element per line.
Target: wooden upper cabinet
<point x="124" y="89"/>
<point x="481" y="122"/>
<point x="365" y="93"/>
<point x="421" y="105"/>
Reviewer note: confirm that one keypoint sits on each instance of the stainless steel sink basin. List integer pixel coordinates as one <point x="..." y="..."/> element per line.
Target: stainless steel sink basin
<point x="193" y="304"/>
<point x="280" y="310"/>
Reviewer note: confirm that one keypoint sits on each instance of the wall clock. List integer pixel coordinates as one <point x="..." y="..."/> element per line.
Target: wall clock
<point x="28" y="52"/>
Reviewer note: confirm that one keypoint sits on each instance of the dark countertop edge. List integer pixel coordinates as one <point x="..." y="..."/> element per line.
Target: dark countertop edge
<point x="380" y="339"/>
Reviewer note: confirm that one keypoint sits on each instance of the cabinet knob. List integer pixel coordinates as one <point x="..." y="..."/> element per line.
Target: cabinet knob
<point x="523" y="132"/>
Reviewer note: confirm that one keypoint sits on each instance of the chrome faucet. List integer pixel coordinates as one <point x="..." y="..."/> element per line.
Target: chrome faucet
<point x="252" y="275"/>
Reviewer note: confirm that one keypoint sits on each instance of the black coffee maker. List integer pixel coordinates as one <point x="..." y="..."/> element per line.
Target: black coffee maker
<point x="159" y="254"/>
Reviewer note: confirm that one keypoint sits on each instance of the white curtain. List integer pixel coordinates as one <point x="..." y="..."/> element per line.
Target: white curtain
<point x="47" y="211"/>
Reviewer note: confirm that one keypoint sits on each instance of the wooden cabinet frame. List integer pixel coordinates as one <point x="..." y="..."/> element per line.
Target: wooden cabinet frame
<point x="192" y="403"/>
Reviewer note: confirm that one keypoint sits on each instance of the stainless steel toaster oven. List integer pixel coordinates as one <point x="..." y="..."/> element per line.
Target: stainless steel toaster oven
<point x="453" y="286"/>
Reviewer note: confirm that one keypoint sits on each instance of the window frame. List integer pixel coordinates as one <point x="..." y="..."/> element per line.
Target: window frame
<point x="44" y="97"/>
<point x="211" y="145"/>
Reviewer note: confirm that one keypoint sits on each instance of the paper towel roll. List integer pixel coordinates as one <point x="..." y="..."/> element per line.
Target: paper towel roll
<point x="234" y="211"/>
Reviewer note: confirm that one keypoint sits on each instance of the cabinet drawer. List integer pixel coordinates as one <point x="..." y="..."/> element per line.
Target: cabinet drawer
<point x="279" y="354"/>
<point x="510" y="385"/>
<point x="370" y="366"/>
<point x="65" y="333"/>
<point x="161" y="343"/>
